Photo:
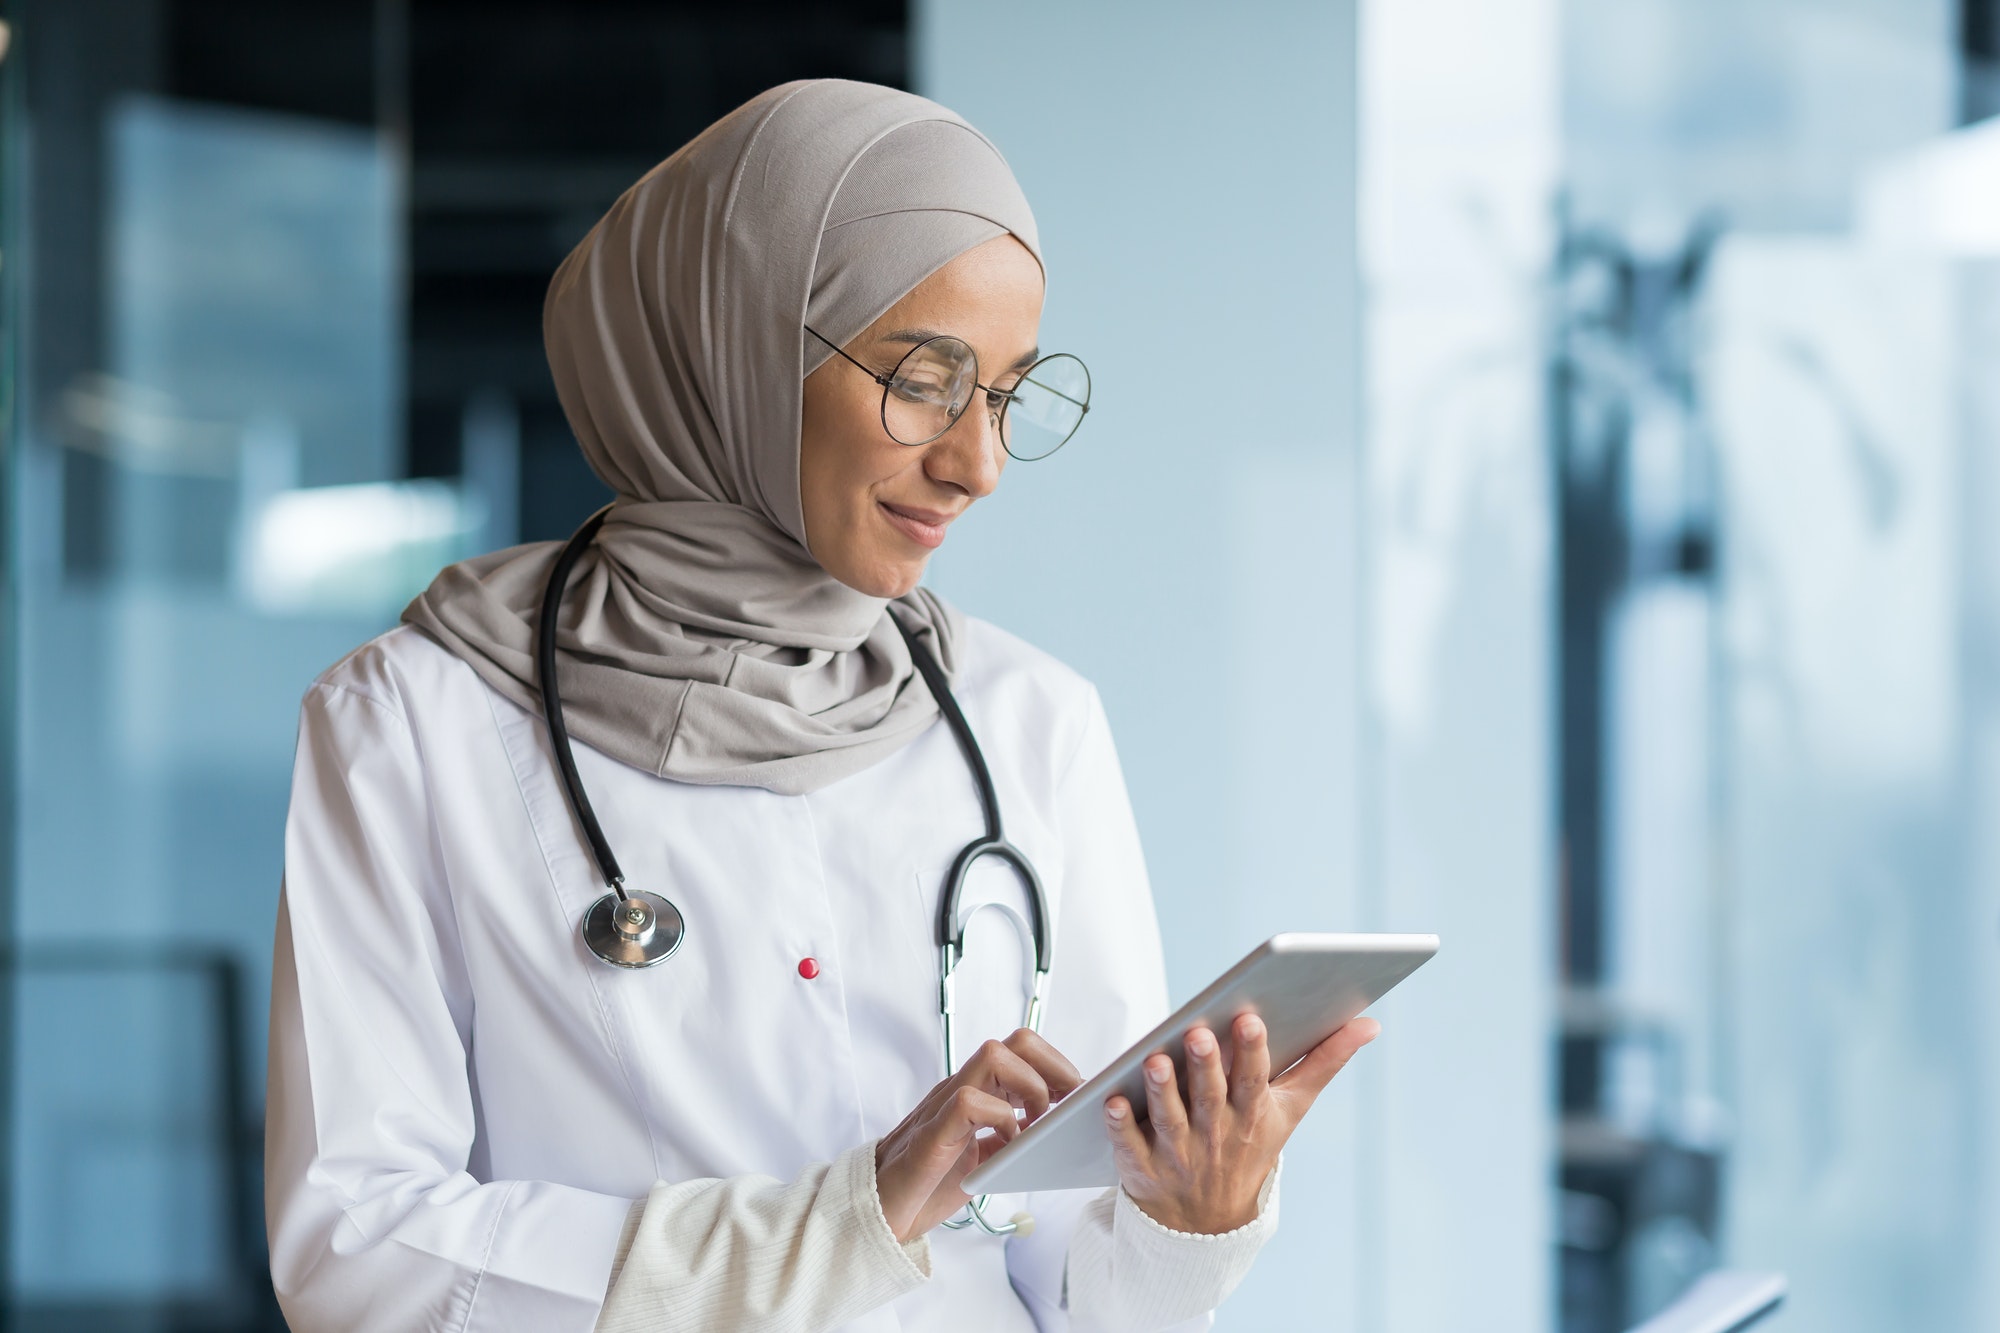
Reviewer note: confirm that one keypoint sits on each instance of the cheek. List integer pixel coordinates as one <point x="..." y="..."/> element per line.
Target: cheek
<point x="821" y="424"/>
<point x="843" y="456"/>
<point x="860" y="460"/>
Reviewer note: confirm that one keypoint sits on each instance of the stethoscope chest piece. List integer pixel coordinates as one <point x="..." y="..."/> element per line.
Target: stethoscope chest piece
<point x="639" y="931"/>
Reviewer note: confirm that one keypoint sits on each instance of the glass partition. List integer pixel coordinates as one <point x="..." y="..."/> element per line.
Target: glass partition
<point x="1773" y="371"/>
<point x="207" y="507"/>
<point x="273" y="277"/>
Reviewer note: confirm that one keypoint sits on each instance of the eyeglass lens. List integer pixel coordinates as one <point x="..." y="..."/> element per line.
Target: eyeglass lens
<point x="1046" y="407"/>
<point x="932" y="387"/>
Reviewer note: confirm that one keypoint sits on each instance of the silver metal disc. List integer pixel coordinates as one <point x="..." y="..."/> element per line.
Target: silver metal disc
<point x="643" y="930"/>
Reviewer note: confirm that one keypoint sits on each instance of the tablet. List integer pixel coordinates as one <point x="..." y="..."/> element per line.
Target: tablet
<point x="1304" y="987"/>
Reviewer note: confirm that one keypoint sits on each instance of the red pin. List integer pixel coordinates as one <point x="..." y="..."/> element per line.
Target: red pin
<point x="808" y="968"/>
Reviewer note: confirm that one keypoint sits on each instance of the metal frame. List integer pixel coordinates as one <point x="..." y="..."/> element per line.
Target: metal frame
<point x="887" y="379"/>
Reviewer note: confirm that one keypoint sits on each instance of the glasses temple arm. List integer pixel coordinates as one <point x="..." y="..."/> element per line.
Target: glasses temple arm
<point x="1057" y="392"/>
<point x="841" y="352"/>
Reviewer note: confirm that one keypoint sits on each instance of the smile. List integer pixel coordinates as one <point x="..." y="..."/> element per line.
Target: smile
<point x="925" y="527"/>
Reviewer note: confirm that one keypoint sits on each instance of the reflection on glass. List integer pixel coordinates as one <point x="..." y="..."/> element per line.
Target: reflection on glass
<point x="227" y="480"/>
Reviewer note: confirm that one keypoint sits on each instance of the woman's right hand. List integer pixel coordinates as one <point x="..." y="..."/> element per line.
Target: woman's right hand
<point x="920" y="1162"/>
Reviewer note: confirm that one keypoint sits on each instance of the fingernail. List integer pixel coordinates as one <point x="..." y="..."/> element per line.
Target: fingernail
<point x="1157" y="1075"/>
<point x="1202" y="1044"/>
<point x="1115" y="1114"/>
<point x="1251" y="1028"/>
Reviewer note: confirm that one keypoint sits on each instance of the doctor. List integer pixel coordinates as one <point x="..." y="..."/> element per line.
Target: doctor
<point x="474" y="1122"/>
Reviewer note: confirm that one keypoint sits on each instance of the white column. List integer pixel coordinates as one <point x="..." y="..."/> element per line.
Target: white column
<point x="1459" y="154"/>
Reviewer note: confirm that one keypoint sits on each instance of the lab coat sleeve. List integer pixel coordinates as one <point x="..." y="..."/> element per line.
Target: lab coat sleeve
<point x="748" y="1252"/>
<point x="374" y="1220"/>
<point x="1096" y="1262"/>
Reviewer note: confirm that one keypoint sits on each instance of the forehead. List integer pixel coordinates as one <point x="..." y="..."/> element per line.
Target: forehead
<point x="990" y="296"/>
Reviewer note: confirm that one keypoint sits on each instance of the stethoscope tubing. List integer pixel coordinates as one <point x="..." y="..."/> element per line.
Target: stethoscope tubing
<point x="545" y="673"/>
<point x="951" y="927"/>
<point x="950" y="931"/>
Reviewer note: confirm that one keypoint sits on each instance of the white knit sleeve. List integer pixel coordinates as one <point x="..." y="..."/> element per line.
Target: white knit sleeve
<point x="753" y="1253"/>
<point x="1129" y="1274"/>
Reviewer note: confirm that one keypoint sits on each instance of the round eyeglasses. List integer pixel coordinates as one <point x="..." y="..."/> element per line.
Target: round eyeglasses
<point x="1035" y="411"/>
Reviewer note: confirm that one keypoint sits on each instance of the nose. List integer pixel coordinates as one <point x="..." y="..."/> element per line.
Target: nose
<point x="969" y="456"/>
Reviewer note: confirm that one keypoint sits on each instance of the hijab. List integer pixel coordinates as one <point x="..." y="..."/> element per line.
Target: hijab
<point x="699" y="639"/>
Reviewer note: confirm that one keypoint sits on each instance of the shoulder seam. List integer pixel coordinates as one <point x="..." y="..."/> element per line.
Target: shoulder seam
<point x="1093" y="704"/>
<point x="334" y="686"/>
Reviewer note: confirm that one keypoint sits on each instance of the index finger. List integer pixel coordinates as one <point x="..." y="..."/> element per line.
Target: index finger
<point x="999" y="1069"/>
<point x="1050" y="1063"/>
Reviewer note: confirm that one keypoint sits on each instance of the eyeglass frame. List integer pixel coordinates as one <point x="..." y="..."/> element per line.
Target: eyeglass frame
<point x="1006" y="395"/>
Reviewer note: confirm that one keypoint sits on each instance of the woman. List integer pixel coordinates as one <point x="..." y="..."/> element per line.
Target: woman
<point x="474" y="1123"/>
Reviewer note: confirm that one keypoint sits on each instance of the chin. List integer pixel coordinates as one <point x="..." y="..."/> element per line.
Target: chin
<point x="888" y="580"/>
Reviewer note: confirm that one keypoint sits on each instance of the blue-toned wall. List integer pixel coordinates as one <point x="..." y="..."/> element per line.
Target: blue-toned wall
<point x="1194" y="551"/>
<point x="1209" y="552"/>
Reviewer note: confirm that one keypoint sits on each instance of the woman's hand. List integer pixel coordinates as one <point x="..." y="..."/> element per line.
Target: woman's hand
<point x="919" y="1163"/>
<point x="1198" y="1165"/>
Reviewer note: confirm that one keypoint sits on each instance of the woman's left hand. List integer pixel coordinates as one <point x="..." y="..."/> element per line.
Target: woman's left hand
<point x="1197" y="1164"/>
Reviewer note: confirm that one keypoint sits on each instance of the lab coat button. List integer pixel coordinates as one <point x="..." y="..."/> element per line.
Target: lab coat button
<point x="808" y="968"/>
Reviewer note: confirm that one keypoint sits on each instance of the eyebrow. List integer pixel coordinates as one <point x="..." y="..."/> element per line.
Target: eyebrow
<point x="915" y="336"/>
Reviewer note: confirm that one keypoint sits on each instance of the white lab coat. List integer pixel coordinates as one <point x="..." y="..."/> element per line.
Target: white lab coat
<point x="465" y="1104"/>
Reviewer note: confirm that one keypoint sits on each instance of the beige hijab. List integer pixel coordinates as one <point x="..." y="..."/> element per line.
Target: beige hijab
<point x="699" y="638"/>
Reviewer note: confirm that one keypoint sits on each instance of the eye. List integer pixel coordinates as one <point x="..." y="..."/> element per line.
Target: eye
<point x="920" y="389"/>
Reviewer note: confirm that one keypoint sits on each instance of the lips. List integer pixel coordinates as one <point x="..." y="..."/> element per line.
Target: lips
<point x="925" y="527"/>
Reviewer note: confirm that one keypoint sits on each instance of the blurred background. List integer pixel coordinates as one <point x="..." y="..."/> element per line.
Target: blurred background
<point x="1579" y="421"/>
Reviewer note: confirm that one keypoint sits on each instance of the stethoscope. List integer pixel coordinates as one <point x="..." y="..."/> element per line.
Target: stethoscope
<point x="633" y="928"/>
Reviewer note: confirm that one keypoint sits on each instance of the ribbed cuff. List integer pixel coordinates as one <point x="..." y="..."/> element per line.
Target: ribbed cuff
<point x="855" y="1172"/>
<point x="1252" y="1233"/>
<point x="1127" y="1271"/>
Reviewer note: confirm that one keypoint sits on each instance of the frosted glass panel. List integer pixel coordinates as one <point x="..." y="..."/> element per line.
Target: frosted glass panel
<point x="1858" y="952"/>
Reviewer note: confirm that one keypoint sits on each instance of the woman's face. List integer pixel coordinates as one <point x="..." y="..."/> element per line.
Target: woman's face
<point x="876" y="509"/>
